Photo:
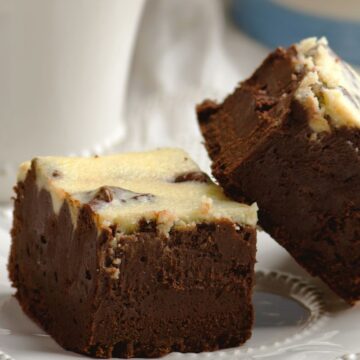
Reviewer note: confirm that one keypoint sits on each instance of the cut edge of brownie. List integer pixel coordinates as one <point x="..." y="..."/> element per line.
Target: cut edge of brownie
<point x="266" y="113"/>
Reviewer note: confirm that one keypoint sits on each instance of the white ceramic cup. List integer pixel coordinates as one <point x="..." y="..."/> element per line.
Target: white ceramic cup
<point x="63" y="74"/>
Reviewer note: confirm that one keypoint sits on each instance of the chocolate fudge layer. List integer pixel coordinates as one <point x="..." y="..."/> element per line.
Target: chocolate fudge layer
<point x="133" y="255"/>
<point x="289" y="138"/>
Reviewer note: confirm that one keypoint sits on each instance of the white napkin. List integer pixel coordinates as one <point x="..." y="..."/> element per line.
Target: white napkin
<point x="186" y="51"/>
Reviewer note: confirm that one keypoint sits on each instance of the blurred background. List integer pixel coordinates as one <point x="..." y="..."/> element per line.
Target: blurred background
<point x="82" y="77"/>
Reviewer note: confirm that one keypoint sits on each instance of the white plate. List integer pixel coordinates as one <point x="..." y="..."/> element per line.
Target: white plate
<point x="297" y="317"/>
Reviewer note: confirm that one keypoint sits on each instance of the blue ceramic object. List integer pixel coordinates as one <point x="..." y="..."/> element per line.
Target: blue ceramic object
<point x="274" y="23"/>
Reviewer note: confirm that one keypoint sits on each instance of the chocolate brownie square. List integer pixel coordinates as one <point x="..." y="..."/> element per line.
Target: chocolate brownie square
<point x="289" y="138"/>
<point x="132" y="255"/>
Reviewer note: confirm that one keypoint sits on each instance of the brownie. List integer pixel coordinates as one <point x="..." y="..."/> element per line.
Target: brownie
<point x="132" y="255"/>
<point x="289" y="138"/>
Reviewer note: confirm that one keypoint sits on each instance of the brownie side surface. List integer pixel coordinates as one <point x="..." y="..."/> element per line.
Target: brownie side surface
<point x="54" y="266"/>
<point x="190" y="292"/>
<point x="306" y="184"/>
<point x="144" y="294"/>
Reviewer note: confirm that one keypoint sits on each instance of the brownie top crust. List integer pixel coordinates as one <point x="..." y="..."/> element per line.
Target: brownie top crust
<point x="330" y="87"/>
<point x="164" y="186"/>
